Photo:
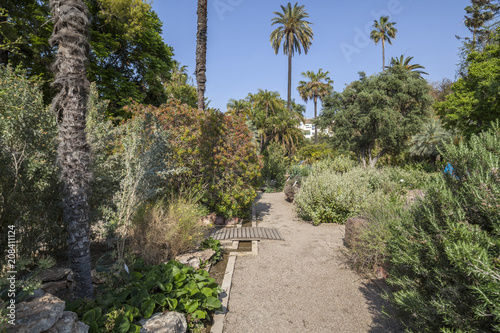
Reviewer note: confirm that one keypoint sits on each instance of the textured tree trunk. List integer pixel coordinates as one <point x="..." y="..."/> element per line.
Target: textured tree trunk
<point x="201" y="53"/>
<point x="315" y="115"/>
<point x="70" y="36"/>
<point x="289" y="100"/>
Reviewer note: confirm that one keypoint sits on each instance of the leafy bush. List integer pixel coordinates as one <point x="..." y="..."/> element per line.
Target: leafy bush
<point x="213" y="153"/>
<point x="275" y="165"/>
<point x="330" y="197"/>
<point x="30" y="196"/>
<point x="339" y="164"/>
<point x="446" y="253"/>
<point x="129" y="298"/>
<point x="370" y="251"/>
<point x="315" y="152"/>
<point x="215" y="245"/>
<point x="164" y="229"/>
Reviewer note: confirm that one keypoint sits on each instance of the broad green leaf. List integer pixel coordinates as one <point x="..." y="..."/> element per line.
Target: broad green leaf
<point x="93" y="328"/>
<point x="134" y="329"/>
<point x="147" y="308"/>
<point x="192" y="307"/>
<point x="89" y="317"/>
<point x="199" y="314"/>
<point x="213" y="303"/>
<point x="122" y="324"/>
<point x="172" y="303"/>
<point x="160" y="299"/>
<point x="207" y="292"/>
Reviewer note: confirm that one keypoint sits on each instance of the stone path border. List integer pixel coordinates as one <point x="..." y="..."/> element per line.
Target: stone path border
<point x="219" y="316"/>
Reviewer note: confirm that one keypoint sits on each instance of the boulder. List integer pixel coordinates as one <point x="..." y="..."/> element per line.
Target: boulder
<point x="193" y="258"/>
<point x="353" y="226"/>
<point x="54" y="274"/>
<point x="220" y="220"/>
<point x="55" y="287"/>
<point x="38" y="315"/>
<point x="168" y="322"/>
<point x="232" y="221"/>
<point x="69" y="324"/>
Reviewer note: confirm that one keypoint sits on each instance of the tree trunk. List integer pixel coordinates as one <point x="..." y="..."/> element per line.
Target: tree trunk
<point x="383" y="55"/>
<point x="315" y="115"/>
<point x="201" y="53"/>
<point x="375" y="160"/>
<point x="362" y="157"/>
<point x="289" y="100"/>
<point x="70" y="36"/>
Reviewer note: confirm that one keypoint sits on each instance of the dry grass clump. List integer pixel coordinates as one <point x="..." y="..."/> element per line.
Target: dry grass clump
<point x="164" y="229"/>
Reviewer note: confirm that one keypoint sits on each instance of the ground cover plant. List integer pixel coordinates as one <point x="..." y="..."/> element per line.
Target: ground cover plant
<point x="445" y="254"/>
<point x="130" y="297"/>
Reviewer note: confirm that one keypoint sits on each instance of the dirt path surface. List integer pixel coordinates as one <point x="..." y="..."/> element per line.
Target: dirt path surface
<point x="301" y="284"/>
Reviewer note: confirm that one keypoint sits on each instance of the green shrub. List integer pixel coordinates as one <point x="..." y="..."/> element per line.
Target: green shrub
<point x="315" y="152"/>
<point x="164" y="229"/>
<point x="275" y="165"/>
<point x="128" y="298"/>
<point x="213" y="153"/>
<point x="30" y="196"/>
<point x="370" y="250"/>
<point x="446" y="253"/>
<point x="299" y="170"/>
<point x="340" y="164"/>
<point x="330" y="197"/>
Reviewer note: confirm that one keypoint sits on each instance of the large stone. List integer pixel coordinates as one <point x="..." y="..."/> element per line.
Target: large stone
<point x="353" y="227"/>
<point x="193" y="258"/>
<point x="55" y="287"/>
<point x="233" y="221"/>
<point x="54" y="274"/>
<point x="69" y="324"/>
<point x="38" y="315"/>
<point x="168" y="322"/>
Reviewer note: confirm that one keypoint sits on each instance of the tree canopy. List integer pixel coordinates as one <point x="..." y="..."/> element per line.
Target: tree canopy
<point x="474" y="102"/>
<point x="128" y="58"/>
<point x="378" y="114"/>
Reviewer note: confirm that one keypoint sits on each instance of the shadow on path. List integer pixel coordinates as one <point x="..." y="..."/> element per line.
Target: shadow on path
<point x="378" y="307"/>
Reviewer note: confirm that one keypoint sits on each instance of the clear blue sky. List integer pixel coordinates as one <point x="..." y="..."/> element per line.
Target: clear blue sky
<point x="240" y="58"/>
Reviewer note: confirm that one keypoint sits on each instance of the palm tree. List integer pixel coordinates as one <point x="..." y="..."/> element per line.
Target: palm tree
<point x="295" y="33"/>
<point x="384" y="31"/>
<point x="428" y="141"/>
<point x="315" y="89"/>
<point x="238" y="107"/>
<point x="405" y="63"/>
<point x="70" y="36"/>
<point x="201" y="53"/>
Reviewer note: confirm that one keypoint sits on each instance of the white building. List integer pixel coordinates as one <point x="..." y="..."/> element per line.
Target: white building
<point x="308" y="129"/>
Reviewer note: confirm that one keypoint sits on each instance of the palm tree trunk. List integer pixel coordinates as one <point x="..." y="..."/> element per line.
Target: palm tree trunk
<point x="289" y="101"/>
<point x="70" y="35"/>
<point x="315" y="115"/>
<point x="383" y="55"/>
<point x="201" y="53"/>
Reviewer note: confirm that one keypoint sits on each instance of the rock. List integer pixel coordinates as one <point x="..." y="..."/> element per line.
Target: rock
<point x="169" y="322"/>
<point x="36" y="294"/>
<point x="220" y="220"/>
<point x="38" y="315"/>
<point x="232" y="221"/>
<point x="54" y="287"/>
<point x="70" y="277"/>
<point x="353" y="227"/>
<point x="54" y="274"/>
<point x="381" y="273"/>
<point x="193" y="258"/>
<point x="69" y="324"/>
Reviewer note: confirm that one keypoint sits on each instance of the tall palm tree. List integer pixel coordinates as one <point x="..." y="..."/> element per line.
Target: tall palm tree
<point x="319" y="86"/>
<point x="201" y="53"/>
<point x="405" y="63"/>
<point x="384" y="31"/>
<point x="70" y="35"/>
<point x="296" y="35"/>
<point x="238" y="107"/>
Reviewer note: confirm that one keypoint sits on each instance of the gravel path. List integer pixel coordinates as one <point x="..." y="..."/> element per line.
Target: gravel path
<point x="301" y="284"/>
